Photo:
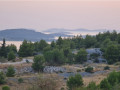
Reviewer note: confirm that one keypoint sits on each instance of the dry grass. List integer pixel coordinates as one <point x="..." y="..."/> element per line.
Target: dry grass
<point x="45" y="81"/>
<point x="97" y="79"/>
<point x="2" y="66"/>
<point x="58" y="80"/>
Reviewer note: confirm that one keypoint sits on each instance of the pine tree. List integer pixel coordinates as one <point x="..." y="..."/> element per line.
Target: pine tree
<point x="3" y="52"/>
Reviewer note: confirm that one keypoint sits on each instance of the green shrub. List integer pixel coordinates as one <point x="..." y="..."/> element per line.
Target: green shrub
<point x="106" y="68"/>
<point x="38" y="64"/>
<point x="10" y="71"/>
<point x="78" y="70"/>
<point x="74" y="82"/>
<point x="2" y="78"/>
<point x="113" y="78"/>
<point x="27" y="61"/>
<point x="89" y="69"/>
<point x="5" y="88"/>
<point x="11" y="56"/>
<point x="62" y="88"/>
<point x="92" y="86"/>
<point x="104" y="84"/>
<point x="20" y="80"/>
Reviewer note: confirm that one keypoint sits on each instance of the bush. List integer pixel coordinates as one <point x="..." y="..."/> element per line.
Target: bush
<point x="106" y="68"/>
<point x="10" y="71"/>
<point x="5" y="88"/>
<point x="20" y="80"/>
<point x="2" y="78"/>
<point x="89" y="69"/>
<point x="78" y="70"/>
<point x="92" y="86"/>
<point x="104" y="85"/>
<point x="54" y="57"/>
<point x="113" y="78"/>
<point x="38" y="64"/>
<point x="27" y="61"/>
<point x="112" y="54"/>
<point x="62" y="88"/>
<point x="74" y="82"/>
<point x="81" y="56"/>
<point x="11" y="55"/>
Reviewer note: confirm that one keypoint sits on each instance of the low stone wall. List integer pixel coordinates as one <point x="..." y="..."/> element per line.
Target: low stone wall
<point x="53" y="69"/>
<point x="47" y="69"/>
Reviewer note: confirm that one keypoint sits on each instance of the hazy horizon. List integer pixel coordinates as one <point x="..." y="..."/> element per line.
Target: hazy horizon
<point x="46" y="14"/>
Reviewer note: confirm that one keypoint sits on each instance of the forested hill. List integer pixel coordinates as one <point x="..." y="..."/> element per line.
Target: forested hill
<point x="21" y="34"/>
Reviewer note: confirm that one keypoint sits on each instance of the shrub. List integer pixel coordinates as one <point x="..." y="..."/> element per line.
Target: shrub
<point x="54" y="57"/>
<point x="20" y="80"/>
<point x="5" y="88"/>
<point x="89" y="69"/>
<point x="62" y="88"/>
<point x="92" y="86"/>
<point x="113" y="78"/>
<point x="74" y="82"/>
<point x="104" y="85"/>
<point x="106" y="68"/>
<point x="27" y="61"/>
<point x="11" y="55"/>
<point x="10" y="71"/>
<point x="81" y="56"/>
<point x="2" y="78"/>
<point x="78" y="70"/>
<point x="38" y="64"/>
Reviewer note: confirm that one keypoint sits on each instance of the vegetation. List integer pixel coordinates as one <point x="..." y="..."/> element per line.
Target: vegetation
<point x="6" y="88"/>
<point x="112" y="82"/>
<point x="107" y="42"/>
<point x="105" y="84"/>
<point x="54" y="57"/>
<point x="2" y="78"/>
<point x="3" y="51"/>
<point x="11" y="47"/>
<point x="74" y="82"/>
<point x="81" y="56"/>
<point x="92" y="86"/>
<point x="11" y="55"/>
<point x="38" y="64"/>
<point x="89" y="69"/>
<point x="20" y="80"/>
<point x="106" y="68"/>
<point x="26" y="49"/>
<point x="10" y="71"/>
<point x="61" y="52"/>
<point x="112" y="54"/>
<point x="44" y="84"/>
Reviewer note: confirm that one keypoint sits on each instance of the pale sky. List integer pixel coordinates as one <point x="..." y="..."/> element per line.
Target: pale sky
<point x="69" y="14"/>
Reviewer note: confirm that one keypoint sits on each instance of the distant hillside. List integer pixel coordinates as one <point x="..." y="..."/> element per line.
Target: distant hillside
<point x="21" y="34"/>
<point x="81" y="31"/>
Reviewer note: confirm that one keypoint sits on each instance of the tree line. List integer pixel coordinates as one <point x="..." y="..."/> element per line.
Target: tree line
<point x="61" y="51"/>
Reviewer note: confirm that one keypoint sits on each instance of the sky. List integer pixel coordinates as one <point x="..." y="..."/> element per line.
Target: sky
<point x="69" y="14"/>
